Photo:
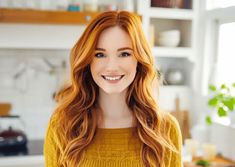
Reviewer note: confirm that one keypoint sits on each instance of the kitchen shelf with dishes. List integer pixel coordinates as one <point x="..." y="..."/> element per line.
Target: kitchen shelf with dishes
<point x="61" y="12"/>
<point x="168" y="28"/>
<point x="35" y="16"/>
<point x="171" y="34"/>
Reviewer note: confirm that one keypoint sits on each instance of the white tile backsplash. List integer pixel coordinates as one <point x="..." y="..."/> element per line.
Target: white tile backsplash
<point x="28" y="84"/>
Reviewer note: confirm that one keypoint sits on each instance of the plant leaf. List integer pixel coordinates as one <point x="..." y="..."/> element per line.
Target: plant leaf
<point x="212" y="88"/>
<point x="229" y="103"/>
<point x="233" y="84"/>
<point x="203" y="163"/>
<point x="221" y="112"/>
<point x="220" y="95"/>
<point x="233" y="100"/>
<point x="223" y="86"/>
<point x="213" y="102"/>
<point x="208" y="120"/>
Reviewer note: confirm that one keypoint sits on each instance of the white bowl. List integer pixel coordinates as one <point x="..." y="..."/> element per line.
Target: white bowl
<point x="170" y="33"/>
<point x="169" y="38"/>
<point x="169" y="41"/>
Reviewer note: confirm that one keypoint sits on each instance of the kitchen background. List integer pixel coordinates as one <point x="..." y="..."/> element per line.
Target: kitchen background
<point x="186" y="36"/>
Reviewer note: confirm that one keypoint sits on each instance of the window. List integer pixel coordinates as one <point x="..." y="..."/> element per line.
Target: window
<point x="219" y="50"/>
<point x="226" y="54"/>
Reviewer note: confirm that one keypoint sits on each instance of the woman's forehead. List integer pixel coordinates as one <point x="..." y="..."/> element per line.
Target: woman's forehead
<point x="114" y="37"/>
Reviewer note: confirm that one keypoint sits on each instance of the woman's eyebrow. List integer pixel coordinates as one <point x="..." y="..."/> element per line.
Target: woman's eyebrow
<point x="125" y="48"/>
<point x="100" y="49"/>
<point x="120" y="49"/>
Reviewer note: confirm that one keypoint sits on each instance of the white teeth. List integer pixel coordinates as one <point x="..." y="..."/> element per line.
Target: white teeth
<point x="112" y="78"/>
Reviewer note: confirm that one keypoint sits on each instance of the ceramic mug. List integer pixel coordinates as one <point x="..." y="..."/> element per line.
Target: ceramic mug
<point x="209" y="151"/>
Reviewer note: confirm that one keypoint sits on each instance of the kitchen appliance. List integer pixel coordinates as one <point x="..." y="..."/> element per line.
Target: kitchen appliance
<point x="13" y="140"/>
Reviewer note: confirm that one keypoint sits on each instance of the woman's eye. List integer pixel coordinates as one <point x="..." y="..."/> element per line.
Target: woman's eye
<point x="125" y="54"/>
<point x="99" y="55"/>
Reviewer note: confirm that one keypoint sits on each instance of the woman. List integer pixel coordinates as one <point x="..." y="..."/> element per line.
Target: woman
<point x="108" y="116"/>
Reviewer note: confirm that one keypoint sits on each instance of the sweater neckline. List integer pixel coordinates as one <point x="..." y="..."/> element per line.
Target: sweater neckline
<point x="117" y="130"/>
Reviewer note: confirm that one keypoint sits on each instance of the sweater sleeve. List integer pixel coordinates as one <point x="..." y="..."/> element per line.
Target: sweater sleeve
<point x="176" y="138"/>
<point x="51" y="149"/>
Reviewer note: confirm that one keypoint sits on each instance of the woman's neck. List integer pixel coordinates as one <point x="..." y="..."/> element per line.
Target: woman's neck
<point x="114" y="112"/>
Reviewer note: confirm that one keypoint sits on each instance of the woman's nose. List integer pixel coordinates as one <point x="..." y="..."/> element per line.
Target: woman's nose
<point x="112" y="63"/>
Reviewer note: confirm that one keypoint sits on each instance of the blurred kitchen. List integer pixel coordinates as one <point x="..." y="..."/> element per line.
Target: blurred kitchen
<point x="192" y="42"/>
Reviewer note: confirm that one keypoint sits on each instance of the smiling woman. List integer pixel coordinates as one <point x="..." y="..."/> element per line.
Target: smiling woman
<point x="107" y="115"/>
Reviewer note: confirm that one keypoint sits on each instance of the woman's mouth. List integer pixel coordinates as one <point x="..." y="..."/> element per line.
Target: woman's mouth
<point x="113" y="79"/>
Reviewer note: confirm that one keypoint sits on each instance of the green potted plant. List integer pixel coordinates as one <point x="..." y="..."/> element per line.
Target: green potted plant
<point x="222" y="100"/>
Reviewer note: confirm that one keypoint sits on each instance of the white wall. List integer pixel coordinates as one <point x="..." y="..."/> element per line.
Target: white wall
<point x="31" y="92"/>
<point x="39" y="36"/>
<point x="23" y="46"/>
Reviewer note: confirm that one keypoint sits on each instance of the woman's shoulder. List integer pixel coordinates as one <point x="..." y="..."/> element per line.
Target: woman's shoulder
<point x="51" y="129"/>
<point x="175" y="138"/>
<point x="54" y="126"/>
<point x="53" y="133"/>
<point x="172" y="126"/>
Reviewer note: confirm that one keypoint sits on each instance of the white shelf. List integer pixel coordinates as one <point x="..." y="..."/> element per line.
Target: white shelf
<point x="169" y="13"/>
<point x="176" y="52"/>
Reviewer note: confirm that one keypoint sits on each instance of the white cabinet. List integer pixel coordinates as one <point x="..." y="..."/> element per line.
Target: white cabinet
<point x="167" y="19"/>
<point x="156" y="20"/>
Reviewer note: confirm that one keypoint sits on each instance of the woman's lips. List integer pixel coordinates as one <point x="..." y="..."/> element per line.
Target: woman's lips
<point x="113" y="79"/>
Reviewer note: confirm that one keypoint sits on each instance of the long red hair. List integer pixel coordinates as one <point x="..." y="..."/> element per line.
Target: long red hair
<point x="75" y="118"/>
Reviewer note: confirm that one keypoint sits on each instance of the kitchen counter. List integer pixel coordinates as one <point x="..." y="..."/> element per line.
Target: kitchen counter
<point x="218" y="161"/>
<point x="22" y="161"/>
<point x="31" y="156"/>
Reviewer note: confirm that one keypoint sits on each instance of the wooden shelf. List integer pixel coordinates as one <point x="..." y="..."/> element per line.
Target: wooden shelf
<point x="44" y="16"/>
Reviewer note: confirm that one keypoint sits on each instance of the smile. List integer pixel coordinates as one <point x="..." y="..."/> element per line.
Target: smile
<point x="113" y="78"/>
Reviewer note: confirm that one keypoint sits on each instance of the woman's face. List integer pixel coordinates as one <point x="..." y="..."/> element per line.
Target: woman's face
<point x="113" y="67"/>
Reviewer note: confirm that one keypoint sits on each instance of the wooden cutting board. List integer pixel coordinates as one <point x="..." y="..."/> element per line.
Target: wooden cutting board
<point x="5" y="109"/>
<point x="183" y="118"/>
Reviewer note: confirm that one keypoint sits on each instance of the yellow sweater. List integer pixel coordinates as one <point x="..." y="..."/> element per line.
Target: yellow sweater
<point x="112" y="148"/>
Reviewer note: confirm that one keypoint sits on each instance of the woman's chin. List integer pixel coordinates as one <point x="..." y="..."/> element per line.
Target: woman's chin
<point x="113" y="91"/>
